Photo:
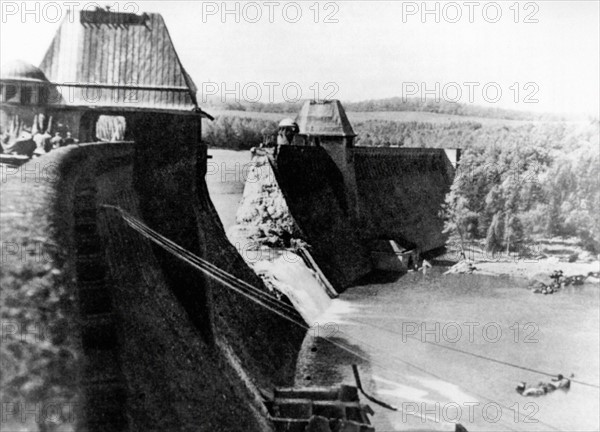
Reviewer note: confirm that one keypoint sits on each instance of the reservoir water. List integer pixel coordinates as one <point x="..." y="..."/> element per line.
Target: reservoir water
<point x="403" y="328"/>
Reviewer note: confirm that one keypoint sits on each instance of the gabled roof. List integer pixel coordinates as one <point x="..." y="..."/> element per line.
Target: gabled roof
<point x="118" y="60"/>
<point x="326" y="118"/>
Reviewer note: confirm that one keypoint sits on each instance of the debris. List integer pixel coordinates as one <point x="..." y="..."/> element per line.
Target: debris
<point x="426" y="264"/>
<point x="561" y="281"/>
<point x="593" y="277"/>
<point x="462" y="267"/>
<point x="542" y="388"/>
<point x="371" y="398"/>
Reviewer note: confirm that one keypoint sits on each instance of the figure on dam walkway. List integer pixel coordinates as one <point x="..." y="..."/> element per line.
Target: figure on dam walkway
<point x="287" y="131"/>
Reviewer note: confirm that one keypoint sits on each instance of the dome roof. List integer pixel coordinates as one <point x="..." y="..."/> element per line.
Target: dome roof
<point x="22" y="71"/>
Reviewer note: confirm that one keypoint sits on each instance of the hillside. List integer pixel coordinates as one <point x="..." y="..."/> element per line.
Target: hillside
<point x="395" y="116"/>
<point x="396" y="105"/>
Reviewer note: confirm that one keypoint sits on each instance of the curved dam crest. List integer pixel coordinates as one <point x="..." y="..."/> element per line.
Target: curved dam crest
<point x="161" y="315"/>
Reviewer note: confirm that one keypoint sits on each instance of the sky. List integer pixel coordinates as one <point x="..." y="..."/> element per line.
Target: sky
<point x="534" y="56"/>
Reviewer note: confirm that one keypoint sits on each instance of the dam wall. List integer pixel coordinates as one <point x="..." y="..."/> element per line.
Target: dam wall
<point x="169" y="180"/>
<point x="340" y="206"/>
<point x="142" y="340"/>
<point x="315" y="193"/>
<point x="401" y="192"/>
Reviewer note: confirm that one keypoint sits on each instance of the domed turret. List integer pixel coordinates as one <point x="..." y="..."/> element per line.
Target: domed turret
<point x="19" y="70"/>
<point x="25" y="84"/>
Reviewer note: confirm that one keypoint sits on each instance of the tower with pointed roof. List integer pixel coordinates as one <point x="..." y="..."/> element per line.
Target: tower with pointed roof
<point x="325" y="124"/>
<point x="103" y="63"/>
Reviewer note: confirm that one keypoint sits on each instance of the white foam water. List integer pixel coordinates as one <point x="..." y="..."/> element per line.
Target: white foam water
<point x="294" y="279"/>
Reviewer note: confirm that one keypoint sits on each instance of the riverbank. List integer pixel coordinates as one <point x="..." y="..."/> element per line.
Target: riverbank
<point x="543" y="256"/>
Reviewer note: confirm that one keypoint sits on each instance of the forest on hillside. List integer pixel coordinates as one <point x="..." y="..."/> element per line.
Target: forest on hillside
<point x="394" y="104"/>
<point x="516" y="181"/>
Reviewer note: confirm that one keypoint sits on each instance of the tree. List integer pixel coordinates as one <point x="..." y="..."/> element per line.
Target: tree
<point x="457" y="215"/>
<point x="493" y="240"/>
<point x="494" y="203"/>
<point x="513" y="229"/>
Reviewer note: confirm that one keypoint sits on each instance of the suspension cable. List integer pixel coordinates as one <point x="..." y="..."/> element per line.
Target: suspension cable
<point x="235" y="283"/>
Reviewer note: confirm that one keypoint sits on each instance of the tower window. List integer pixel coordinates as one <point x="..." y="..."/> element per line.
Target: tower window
<point x="10" y="93"/>
<point x="27" y="95"/>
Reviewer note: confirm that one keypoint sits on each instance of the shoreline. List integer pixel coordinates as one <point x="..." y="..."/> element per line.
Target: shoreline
<point x="535" y="271"/>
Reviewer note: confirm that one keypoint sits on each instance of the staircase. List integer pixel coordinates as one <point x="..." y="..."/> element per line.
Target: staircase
<point x="102" y="379"/>
<point x="319" y="409"/>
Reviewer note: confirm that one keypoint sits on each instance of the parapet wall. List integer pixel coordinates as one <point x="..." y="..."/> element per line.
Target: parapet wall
<point x="40" y="346"/>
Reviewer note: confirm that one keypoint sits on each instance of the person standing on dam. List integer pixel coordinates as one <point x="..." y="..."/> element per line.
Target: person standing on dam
<point x="287" y="132"/>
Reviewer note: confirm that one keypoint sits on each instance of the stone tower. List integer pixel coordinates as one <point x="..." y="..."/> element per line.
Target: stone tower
<point x="325" y="124"/>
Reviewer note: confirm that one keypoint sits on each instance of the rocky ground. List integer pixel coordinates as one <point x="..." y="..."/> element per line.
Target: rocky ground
<point x="549" y="255"/>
